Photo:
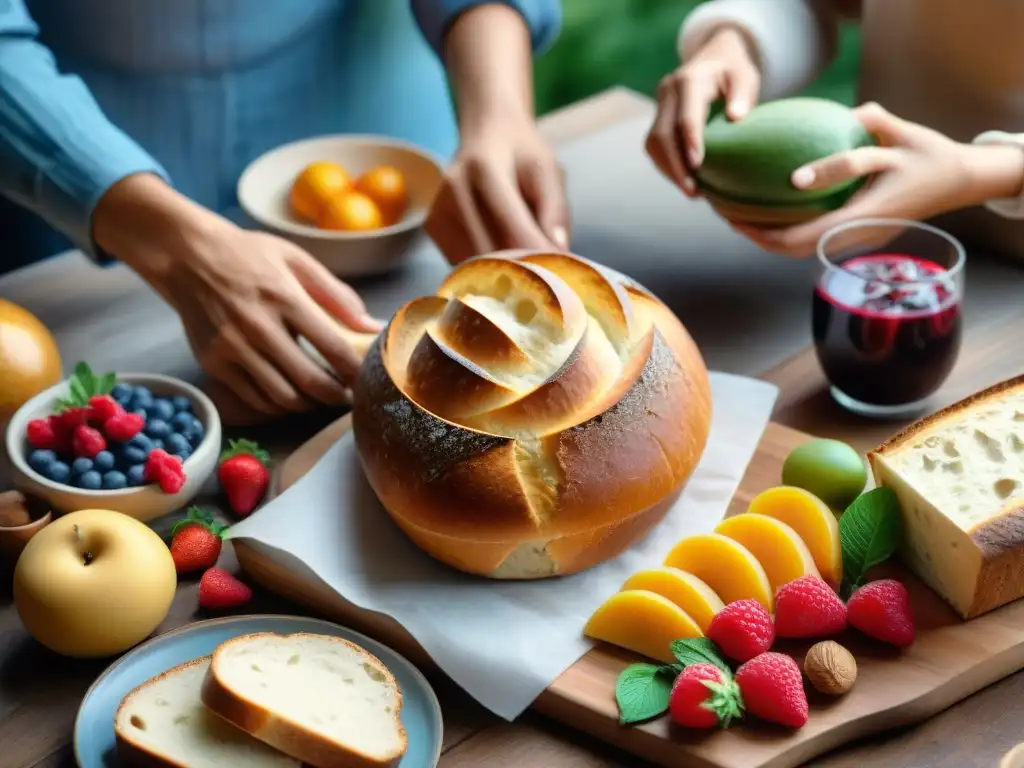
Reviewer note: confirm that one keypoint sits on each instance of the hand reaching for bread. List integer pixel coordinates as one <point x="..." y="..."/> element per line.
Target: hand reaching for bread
<point x="532" y="418"/>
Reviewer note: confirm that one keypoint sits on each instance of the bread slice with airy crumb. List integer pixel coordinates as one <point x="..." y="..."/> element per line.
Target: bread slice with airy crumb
<point x="320" y="699"/>
<point x="163" y="723"/>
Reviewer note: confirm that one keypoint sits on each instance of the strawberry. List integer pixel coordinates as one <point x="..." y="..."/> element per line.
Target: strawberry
<point x="244" y="476"/>
<point x="102" y="408"/>
<point x="87" y="441"/>
<point x="68" y="420"/>
<point x="773" y="689"/>
<point x="41" y="434"/>
<point x="218" y="589"/>
<point x="165" y="470"/>
<point x="881" y="609"/>
<point x="123" y="426"/>
<point x="742" y="630"/>
<point x="703" y="696"/>
<point x="808" y="607"/>
<point x="196" y="541"/>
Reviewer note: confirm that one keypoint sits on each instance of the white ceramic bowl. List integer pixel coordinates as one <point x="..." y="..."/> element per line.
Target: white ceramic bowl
<point x="143" y="503"/>
<point x="264" y="188"/>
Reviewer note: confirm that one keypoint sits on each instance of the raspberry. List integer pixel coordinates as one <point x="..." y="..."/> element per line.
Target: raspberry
<point x="68" y="421"/>
<point x="742" y="630"/>
<point x="881" y="609"/>
<point x="103" y="408"/>
<point x="808" y="607"/>
<point x="88" y="442"/>
<point x="123" y="426"/>
<point x="41" y="434"/>
<point x="171" y="482"/>
<point x="165" y="470"/>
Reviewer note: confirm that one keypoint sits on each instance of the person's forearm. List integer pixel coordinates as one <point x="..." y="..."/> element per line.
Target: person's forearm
<point x="994" y="173"/>
<point x="489" y="58"/>
<point x="794" y="39"/>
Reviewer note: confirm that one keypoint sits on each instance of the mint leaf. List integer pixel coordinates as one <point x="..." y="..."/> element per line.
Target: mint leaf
<point x="699" y="650"/>
<point x="642" y="692"/>
<point x="105" y="383"/>
<point x="870" y="531"/>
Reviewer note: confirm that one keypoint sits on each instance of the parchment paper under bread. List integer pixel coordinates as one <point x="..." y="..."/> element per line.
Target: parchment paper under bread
<point x="503" y="642"/>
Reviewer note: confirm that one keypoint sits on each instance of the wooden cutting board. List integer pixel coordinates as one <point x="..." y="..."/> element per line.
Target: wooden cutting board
<point x="950" y="660"/>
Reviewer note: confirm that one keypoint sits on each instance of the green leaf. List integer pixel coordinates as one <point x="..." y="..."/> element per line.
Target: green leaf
<point x="200" y="517"/>
<point x="870" y="531"/>
<point x="82" y="370"/>
<point x="245" y="447"/>
<point x="699" y="650"/>
<point x="105" y="383"/>
<point x="79" y="394"/>
<point x="642" y="692"/>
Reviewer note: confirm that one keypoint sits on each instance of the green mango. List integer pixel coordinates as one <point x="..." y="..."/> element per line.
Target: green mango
<point x="749" y="162"/>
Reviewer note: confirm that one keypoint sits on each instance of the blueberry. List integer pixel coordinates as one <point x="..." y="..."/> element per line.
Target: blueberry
<point x="133" y="454"/>
<point x="91" y="480"/>
<point x="121" y="392"/>
<point x="181" y="404"/>
<point x="182" y="421"/>
<point x="157" y="443"/>
<point x="103" y="461"/>
<point x="161" y="409"/>
<point x="40" y="460"/>
<point x="141" y="398"/>
<point x="81" y="465"/>
<point x="136" y="475"/>
<point x="193" y="431"/>
<point x="114" y="480"/>
<point x="139" y="412"/>
<point x="158" y="428"/>
<point x="59" y="472"/>
<point x="178" y="444"/>
<point x="184" y="455"/>
<point x="141" y="441"/>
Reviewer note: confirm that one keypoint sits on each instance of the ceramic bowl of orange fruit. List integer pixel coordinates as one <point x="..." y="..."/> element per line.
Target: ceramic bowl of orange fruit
<point x="356" y="203"/>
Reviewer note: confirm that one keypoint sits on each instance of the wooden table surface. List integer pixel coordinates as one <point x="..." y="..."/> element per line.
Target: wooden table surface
<point x="113" y="320"/>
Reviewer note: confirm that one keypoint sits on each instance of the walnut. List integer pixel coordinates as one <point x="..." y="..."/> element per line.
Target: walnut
<point x="830" y="668"/>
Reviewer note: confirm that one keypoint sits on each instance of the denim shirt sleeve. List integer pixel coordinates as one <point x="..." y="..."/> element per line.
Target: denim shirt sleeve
<point x="543" y="17"/>
<point x="58" y="152"/>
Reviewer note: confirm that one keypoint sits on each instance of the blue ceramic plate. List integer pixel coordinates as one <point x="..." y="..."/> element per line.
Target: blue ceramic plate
<point x="94" y="726"/>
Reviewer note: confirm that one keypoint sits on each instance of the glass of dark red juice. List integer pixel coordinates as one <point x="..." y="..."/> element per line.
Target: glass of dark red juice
<point x="886" y="314"/>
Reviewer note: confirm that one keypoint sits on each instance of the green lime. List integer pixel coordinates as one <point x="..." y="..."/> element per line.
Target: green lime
<point x="830" y="469"/>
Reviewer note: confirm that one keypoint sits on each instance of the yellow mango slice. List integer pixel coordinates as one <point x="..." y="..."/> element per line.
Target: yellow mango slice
<point x="811" y="518"/>
<point x="684" y="589"/>
<point x="642" y="622"/>
<point x="777" y="547"/>
<point x="725" y="565"/>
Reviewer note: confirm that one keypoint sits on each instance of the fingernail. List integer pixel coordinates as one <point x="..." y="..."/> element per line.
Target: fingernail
<point x="689" y="187"/>
<point x="561" y="237"/>
<point x="803" y="177"/>
<point x="373" y="322"/>
<point x="738" y="109"/>
<point x="695" y="155"/>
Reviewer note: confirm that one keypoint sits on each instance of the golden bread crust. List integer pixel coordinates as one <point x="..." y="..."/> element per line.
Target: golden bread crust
<point x="999" y="539"/>
<point x="284" y="735"/>
<point x="477" y="455"/>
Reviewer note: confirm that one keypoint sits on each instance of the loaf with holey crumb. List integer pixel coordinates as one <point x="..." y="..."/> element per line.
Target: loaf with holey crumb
<point x="535" y="417"/>
<point x="959" y="477"/>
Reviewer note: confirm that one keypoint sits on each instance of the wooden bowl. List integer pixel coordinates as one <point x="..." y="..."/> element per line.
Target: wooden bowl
<point x="264" y="188"/>
<point x="144" y="503"/>
<point x="13" y="538"/>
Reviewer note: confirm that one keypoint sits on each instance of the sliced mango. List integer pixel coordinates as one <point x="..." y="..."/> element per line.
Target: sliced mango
<point x="684" y="589"/>
<point x="725" y="565"/>
<point x="643" y="622"/>
<point x="777" y="547"/>
<point x="811" y="518"/>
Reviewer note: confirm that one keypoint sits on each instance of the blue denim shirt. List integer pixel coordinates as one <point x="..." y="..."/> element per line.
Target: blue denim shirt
<point x="94" y="90"/>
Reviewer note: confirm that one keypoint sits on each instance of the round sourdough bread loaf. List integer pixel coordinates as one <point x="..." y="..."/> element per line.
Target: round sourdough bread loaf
<point x="535" y="417"/>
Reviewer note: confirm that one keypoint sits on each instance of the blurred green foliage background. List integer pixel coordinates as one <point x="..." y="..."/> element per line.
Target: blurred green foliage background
<point x="633" y="43"/>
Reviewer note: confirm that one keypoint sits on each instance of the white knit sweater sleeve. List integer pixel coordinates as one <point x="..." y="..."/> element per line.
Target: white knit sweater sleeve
<point x="1010" y="207"/>
<point x="794" y="39"/>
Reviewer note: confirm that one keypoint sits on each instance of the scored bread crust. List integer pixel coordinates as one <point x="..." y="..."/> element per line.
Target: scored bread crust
<point x="292" y="738"/>
<point x="1000" y="538"/>
<point x="510" y="480"/>
<point x="135" y="755"/>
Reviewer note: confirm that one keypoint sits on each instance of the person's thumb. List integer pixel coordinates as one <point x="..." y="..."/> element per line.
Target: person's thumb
<point x="543" y="188"/>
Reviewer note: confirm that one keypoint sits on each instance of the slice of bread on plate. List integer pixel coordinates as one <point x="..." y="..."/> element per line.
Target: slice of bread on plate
<point x="163" y="723"/>
<point x="321" y="699"/>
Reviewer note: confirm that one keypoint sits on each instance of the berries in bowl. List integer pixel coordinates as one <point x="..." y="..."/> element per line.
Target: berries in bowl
<point x="141" y="444"/>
